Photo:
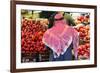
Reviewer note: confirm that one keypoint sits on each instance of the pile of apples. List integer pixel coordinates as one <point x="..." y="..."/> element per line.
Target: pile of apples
<point x="84" y="33"/>
<point x="31" y="36"/>
<point x="84" y="43"/>
<point x="82" y="19"/>
<point x="84" y="51"/>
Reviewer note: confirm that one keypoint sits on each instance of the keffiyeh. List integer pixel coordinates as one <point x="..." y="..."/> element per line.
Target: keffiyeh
<point x="60" y="37"/>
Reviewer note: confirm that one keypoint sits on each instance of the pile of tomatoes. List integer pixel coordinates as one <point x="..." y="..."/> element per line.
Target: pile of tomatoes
<point x="84" y="51"/>
<point x="84" y="33"/>
<point x="31" y="36"/>
<point x="84" y="43"/>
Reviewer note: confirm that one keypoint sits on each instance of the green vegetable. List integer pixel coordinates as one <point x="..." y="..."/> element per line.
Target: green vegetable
<point x="69" y="18"/>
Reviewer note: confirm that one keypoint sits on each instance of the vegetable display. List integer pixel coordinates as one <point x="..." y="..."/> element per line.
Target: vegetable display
<point x="32" y="30"/>
<point x="31" y="36"/>
<point x="84" y="36"/>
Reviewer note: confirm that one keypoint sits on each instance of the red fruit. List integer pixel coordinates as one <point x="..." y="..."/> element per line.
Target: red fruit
<point x="87" y="27"/>
<point x="87" y="45"/>
<point x="31" y="36"/>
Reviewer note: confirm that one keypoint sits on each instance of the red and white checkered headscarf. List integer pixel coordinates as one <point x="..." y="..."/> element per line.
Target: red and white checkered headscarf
<point x="61" y="36"/>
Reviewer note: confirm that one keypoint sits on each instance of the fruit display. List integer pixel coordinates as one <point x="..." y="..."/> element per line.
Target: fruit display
<point x="84" y="33"/>
<point x="84" y="51"/>
<point x="31" y="34"/>
<point x="84" y="43"/>
<point x="33" y="26"/>
<point x="83" y="18"/>
<point x="31" y="38"/>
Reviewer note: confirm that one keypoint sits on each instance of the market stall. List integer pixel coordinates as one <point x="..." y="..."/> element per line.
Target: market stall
<point x="33" y="26"/>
